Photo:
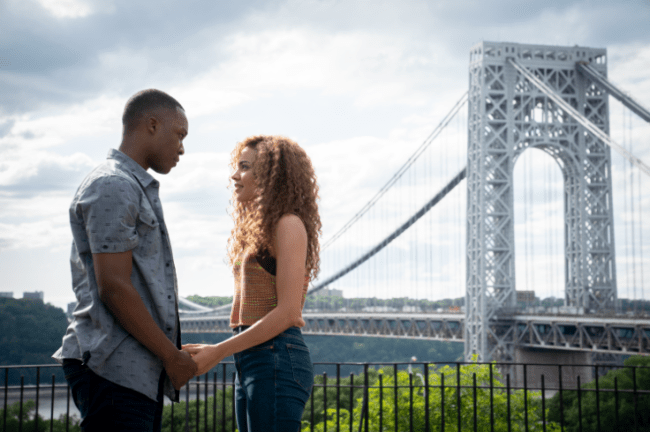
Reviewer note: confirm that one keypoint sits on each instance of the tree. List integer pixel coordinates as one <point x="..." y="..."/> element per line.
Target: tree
<point x="189" y="412"/>
<point x="27" y="415"/>
<point x="31" y="333"/>
<point x="615" y="410"/>
<point x="409" y="385"/>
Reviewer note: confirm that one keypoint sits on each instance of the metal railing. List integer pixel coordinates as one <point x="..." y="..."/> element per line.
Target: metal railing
<point x="413" y="396"/>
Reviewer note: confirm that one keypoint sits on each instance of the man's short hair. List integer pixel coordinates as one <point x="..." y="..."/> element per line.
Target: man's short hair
<point x="143" y="103"/>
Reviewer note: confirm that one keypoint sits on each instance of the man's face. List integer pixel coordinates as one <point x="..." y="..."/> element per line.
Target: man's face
<point x="168" y="141"/>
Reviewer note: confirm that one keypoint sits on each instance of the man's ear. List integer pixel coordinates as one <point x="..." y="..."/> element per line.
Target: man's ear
<point x="152" y="124"/>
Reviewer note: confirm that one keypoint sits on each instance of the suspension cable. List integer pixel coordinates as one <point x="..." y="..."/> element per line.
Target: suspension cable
<point x="450" y="115"/>
<point x="581" y="119"/>
<point x="435" y="200"/>
<point x="632" y="212"/>
<point x="626" y="223"/>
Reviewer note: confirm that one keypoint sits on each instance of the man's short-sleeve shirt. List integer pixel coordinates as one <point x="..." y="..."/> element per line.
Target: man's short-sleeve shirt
<point x="117" y="209"/>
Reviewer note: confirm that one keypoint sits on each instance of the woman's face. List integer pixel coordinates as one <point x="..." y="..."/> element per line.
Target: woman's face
<point x="243" y="177"/>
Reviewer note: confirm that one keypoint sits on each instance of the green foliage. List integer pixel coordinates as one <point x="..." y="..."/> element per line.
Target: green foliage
<point x="605" y="407"/>
<point x="349" y="391"/>
<point x="181" y="410"/>
<point x="410" y="385"/>
<point x="637" y="306"/>
<point x="210" y="301"/>
<point x="31" y="331"/>
<point x="334" y="303"/>
<point x="29" y="419"/>
<point x="374" y="349"/>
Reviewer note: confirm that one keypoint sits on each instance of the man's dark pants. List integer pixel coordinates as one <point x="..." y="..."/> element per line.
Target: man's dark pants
<point x="106" y="406"/>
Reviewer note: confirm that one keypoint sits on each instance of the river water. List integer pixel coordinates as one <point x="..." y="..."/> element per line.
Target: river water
<point x="62" y="403"/>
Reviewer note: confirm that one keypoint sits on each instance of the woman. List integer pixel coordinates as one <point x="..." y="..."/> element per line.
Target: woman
<point x="273" y="250"/>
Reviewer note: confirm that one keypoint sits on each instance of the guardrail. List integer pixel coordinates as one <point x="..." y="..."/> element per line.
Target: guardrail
<point x="413" y="396"/>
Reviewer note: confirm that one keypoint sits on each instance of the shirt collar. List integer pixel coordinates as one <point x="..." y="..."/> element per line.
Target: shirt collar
<point x="133" y="167"/>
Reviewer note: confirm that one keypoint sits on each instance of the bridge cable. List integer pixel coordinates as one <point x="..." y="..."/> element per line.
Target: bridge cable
<point x="641" y="243"/>
<point x="588" y="70"/>
<point x="461" y="144"/>
<point x="547" y="228"/>
<point x="626" y="196"/>
<point x="632" y="211"/>
<point x="531" y="232"/>
<point x="430" y="236"/>
<point x="435" y="200"/>
<point x="526" y="221"/>
<point x="401" y="171"/>
<point x="581" y="119"/>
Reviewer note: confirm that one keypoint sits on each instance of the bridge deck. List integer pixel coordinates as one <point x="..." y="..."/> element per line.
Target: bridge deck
<point x="606" y="334"/>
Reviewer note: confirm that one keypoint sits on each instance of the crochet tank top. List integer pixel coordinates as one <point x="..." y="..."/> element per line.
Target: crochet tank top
<point x="255" y="293"/>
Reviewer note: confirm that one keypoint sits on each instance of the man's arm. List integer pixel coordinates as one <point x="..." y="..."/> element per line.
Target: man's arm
<point x="113" y="274"/>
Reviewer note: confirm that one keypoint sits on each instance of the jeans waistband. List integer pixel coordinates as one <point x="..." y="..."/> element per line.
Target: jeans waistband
<point x="290" y="332"/>
<point x="240" y="329"/>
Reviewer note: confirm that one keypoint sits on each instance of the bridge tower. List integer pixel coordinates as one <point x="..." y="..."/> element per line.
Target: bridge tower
<point x="508" y="114"/>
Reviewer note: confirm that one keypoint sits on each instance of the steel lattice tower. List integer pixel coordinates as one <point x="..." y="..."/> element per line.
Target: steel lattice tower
<point x="507" y="115"/>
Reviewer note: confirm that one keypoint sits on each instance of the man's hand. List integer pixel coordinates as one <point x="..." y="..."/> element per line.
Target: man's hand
<point x="180" y="368"/>
<point x="205" y="356"/>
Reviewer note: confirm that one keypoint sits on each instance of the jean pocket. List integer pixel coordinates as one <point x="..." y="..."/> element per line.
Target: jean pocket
<point x="268" y="345"/>
<point x="301" y="366"/>
<point x="74" y="371"/>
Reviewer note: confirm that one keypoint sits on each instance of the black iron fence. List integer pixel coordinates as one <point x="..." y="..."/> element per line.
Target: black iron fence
<point x="414" y="396"/>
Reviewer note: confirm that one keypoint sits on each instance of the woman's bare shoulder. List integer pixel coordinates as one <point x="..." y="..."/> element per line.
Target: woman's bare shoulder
<point x="290" y="222"/>
<point x="290" y="227"/>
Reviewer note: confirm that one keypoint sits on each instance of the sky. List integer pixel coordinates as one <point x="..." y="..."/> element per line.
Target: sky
<point x="359" y="84"/>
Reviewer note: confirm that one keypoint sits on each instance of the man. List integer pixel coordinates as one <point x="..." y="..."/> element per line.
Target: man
<point x="120" y="353"/>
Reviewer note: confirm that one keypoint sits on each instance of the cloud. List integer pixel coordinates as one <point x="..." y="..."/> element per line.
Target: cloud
<point x="5" y="126"/>
<point x="359" y="84"/>
<point x="43" y="172"/>
<point x="48" y="58"/>
<point x="41" y="222"/>
<point x="71" y="8"/>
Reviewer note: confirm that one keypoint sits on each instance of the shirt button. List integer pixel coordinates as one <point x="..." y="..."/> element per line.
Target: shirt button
<point x="169" y="297"/>
<point x="169" y="329"/>
<point x="167" y="265"/>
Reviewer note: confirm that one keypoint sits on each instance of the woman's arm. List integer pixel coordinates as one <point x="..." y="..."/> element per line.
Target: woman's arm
<point x="291" y="255"/>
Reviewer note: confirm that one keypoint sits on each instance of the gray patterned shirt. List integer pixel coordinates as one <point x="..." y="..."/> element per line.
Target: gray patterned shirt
<point x="117" y="209"/>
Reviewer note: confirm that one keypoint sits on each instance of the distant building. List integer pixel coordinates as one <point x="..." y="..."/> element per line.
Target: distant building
<point x="6" y="294"/>
<point x="36" y="295"/>
<point x="526" y="296"/>
<point x="331" y="292"/>
<point x="379" y="309"/>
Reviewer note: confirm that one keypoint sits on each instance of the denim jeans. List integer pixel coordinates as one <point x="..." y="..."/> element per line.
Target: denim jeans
<point x="273" y="383"/>
<point x="106" y="406"/>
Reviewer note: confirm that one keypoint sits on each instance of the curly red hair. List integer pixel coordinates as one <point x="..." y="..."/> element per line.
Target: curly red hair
<point x="285" y="183"/>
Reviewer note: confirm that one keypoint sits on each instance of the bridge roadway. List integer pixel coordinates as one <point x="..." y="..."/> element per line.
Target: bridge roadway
<point x="594" y="333"/>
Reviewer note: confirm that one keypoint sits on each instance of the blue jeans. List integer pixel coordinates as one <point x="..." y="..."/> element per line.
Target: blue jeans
<point x="106" y="406"/>
<point x="273" y="383"/>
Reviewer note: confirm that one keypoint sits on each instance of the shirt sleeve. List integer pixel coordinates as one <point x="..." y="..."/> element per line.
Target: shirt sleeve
<point x="109" y="207"/>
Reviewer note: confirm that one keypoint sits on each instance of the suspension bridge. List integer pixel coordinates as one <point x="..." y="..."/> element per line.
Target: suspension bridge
<point x="448" y="222"/>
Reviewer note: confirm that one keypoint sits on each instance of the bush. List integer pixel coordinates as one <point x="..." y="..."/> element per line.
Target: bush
<point x="410" y="386"/>
<point x="28" y="418"/>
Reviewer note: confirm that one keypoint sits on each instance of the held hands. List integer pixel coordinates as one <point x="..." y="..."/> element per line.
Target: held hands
<point x="205" y="356"/>
<point x="180" y="368"/>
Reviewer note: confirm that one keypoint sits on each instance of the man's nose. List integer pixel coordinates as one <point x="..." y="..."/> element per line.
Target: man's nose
<point x="181" y="150"/>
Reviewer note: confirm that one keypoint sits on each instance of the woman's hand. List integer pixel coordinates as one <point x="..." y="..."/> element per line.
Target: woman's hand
<point x="205" y="356"/>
